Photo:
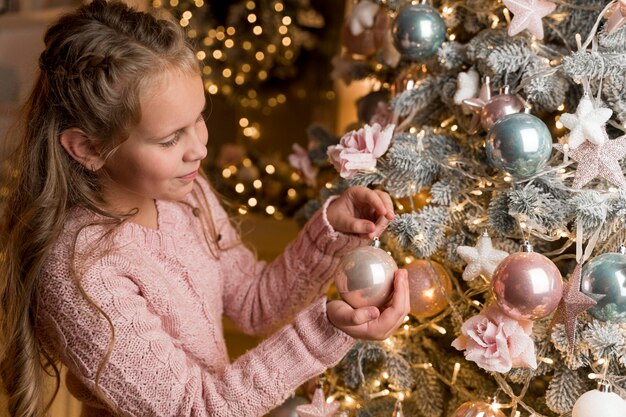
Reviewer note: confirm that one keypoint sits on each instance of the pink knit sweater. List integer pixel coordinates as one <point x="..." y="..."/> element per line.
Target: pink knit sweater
<point x="165" y="295"/>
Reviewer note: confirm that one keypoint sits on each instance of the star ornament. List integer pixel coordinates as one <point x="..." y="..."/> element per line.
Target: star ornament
<point x="466" y="86"/>
<point x="482" y="259"/>
<point x="598" y="161"/>
<point x="362" y="16"/>
<point x="476" y="104"/>
<point x="617" y="17"/>
<point x="571" y="305"/>
<point x="527" y="14"/>
<point x="588" y="123"/>
<point x="319" y="407"/>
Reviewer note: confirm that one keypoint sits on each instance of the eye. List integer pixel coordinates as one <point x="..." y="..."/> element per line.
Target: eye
<point x="171" y="142"/>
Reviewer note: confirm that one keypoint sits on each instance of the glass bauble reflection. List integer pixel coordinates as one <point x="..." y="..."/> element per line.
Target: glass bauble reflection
<point x="365" y="277"/>
<point x="604" y="279"/>
<point x="418" y="31"/>
<point x="477" y="409"/>
<point x="527" y="285"/>
<point x="429" y="283"/>
<point x="519" y="144"/>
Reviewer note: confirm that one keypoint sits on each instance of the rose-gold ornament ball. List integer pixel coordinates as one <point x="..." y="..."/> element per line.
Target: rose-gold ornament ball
<point x="477" y="409"/>
<point x="365" y="277"/>
<point x="527" y="285"/>
<point x="498" y="107"/>
<point x="428" y="281"/>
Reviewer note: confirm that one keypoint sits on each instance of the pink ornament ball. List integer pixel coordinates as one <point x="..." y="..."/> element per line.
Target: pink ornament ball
<point x="429" y="283"/>
<point x="365" y="277"/>
<point x="477" y="409"/>
<point x="527" y="285"/>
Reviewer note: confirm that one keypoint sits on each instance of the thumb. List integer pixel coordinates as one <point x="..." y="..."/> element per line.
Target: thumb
<point x="364" y="314"/>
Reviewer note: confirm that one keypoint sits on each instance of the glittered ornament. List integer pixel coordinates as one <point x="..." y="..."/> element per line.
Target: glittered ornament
<point x="573" y="302"/>
<point x="477" y="409"/>
<point x="481" y="259"/>
<point x="418" y="31"/>
<point x="429" y="287"/>
<point x="601" y="402"/>
<point x="318" y="407"/>
<point x="604" y="280"/>
<point x="519" y="144"/>
<point x="288" y="408"/>
<point x="527" y="285"/>
<point x="365" y="276"/>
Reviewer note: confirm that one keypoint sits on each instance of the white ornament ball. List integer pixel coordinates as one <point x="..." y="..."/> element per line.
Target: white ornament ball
<point x="365" y="277"/>
<point x="597" y="403"/>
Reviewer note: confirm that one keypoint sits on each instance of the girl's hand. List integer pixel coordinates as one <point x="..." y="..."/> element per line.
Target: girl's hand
<point x="361" y="211"/>
<point x="368" y="322"/>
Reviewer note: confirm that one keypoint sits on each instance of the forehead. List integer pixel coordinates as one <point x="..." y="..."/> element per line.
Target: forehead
<point x="170" y="101"/>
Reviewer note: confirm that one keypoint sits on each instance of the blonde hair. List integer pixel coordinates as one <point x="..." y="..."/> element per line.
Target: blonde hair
<point x="97" y="62"/>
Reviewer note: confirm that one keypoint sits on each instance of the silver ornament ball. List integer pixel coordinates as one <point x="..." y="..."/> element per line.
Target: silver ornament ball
<point x="365" y="277"/>
<point x="418" y="31"/>
<point x="519" y="144"/>
<point x="604" y="279"/>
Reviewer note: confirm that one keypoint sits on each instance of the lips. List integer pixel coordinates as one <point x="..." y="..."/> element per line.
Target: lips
<point x="189" y="176"/>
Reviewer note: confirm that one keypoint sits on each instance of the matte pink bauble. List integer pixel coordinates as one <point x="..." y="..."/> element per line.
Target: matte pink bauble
<point x="527" y="285"/>
<point x="477" y="409"/>
<point x="365" y="277"/>
<point x="428" y="281"/>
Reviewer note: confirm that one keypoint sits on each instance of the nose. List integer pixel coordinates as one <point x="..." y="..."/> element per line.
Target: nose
<point x="196" y="148"/>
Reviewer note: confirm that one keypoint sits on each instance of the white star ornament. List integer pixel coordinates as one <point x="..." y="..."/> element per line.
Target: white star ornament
<point x="466" y="86"/>
<point x="482" y="259"/>
<point x="527" y="14"/>
<point x="362" y="16"/>
<point x="587" y="123"/>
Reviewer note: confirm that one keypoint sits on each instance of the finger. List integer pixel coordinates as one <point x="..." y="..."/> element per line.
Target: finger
<point x="393" y="315"/>
<point x="362" y="227"/>
<point x="373" y="199"/>
<point x="388" y="202"/>
<point x="344" y="315"/>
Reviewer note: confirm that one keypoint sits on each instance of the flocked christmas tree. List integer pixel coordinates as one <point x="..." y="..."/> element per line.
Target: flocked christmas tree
<point x="498" y="129"/>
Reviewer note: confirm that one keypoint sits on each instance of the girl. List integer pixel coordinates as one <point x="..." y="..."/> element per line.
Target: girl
<point x="118" y="261"/>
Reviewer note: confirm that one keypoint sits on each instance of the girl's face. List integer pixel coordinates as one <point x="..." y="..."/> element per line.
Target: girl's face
<point x="161" y="157"/>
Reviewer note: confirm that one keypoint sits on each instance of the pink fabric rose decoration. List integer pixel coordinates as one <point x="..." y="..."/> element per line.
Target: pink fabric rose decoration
<point x="497" y="342"/>
<point x="358" y="150"/>
<point x="301" y="162"/>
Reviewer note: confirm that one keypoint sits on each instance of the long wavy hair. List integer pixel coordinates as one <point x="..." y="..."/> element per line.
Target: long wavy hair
<point x="96" y="63"/>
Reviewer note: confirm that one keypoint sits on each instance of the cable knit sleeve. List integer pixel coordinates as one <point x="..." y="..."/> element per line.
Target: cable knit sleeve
<point x="149" y="373"/>
<point x="259" y="297"/>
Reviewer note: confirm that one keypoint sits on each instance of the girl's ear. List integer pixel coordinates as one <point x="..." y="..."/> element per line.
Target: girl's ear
<point x="82" y="148"/>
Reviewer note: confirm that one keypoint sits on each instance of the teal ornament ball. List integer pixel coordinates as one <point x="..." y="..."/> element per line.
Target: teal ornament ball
<point x="418" y="31"/>
<point x="604" y="280"/>
<point x="519" y="144"/>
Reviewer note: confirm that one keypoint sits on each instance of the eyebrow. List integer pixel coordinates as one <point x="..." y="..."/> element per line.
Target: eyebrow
<point x="161" y="137"/>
